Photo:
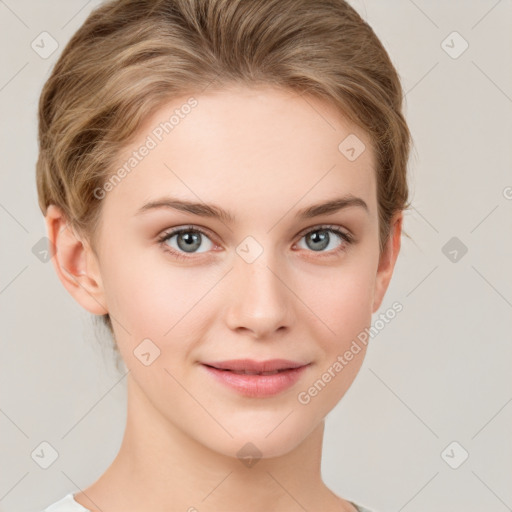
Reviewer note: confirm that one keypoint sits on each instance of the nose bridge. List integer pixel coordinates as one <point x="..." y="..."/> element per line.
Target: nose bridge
<point x="260" y="301"/>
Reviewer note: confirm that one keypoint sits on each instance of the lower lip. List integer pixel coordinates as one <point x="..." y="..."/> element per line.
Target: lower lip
<point x="257" y="385"/>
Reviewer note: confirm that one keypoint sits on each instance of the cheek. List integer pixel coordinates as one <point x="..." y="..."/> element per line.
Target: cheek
<point x="156" y="300"/>
<point x="341" y="299"/>
<point x="342" y="312"/>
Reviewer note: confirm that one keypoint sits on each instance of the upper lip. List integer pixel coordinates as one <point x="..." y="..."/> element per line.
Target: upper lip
<point x="269" y="365"/>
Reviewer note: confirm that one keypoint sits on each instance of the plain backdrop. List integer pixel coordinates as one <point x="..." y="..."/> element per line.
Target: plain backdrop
<point x="427" y="423"/>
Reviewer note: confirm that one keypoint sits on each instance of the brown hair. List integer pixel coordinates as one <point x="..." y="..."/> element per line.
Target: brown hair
<point x="130" y="57"/>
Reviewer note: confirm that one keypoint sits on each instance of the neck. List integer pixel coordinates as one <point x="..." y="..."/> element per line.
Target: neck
<point x="161" y="468"/>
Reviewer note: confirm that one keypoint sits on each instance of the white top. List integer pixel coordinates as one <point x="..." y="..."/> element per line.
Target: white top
<point x="68" y="504"/>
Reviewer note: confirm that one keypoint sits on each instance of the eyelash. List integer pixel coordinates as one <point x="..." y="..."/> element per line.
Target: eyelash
<point x="346" y="237"/>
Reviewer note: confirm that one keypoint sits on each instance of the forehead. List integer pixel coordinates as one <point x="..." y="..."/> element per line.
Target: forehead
<point x="244" y="147"/>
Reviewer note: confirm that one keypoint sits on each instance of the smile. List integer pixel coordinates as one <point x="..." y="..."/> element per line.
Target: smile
<point x="255" y="383"/>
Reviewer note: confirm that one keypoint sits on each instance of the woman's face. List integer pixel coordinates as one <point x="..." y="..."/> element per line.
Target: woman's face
<point x="266" y="279"/>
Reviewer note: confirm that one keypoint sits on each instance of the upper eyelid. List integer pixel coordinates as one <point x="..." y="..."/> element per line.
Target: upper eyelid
<point x="177" y="230"/>
<point x="319" y="227"/>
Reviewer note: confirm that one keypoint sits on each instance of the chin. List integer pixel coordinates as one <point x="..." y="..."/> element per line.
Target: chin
<point x="260" y="442"/>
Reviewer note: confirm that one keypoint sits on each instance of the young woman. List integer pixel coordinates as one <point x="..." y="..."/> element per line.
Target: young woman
<point x="223" y="181"/>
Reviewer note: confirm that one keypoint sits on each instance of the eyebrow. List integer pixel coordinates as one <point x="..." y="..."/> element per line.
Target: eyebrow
<point x="210" y="210"/>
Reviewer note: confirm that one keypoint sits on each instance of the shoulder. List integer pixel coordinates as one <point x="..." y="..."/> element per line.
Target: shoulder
<point x="66" y="504"/>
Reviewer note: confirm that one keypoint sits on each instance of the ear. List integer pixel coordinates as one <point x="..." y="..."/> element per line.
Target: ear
<point x="75" y="263"/>
<point x="387" y="261"/>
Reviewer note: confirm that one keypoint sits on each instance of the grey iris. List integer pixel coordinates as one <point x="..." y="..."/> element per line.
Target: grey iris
<point x="320" y="239"/>
<point x="189" y="241"/>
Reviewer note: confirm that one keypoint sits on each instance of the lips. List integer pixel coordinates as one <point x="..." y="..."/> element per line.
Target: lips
<point x="248" y="372"/>
<point x="251" y="367"/>
<point x="256" y="379"/>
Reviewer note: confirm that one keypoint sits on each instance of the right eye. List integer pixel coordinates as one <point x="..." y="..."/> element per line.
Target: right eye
<point x="186" y="241"/>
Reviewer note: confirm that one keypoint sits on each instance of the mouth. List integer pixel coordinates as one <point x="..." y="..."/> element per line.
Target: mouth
<point x="248" y="372"/>
<point x="251" y="367"/>
<point x="256" y="379"/>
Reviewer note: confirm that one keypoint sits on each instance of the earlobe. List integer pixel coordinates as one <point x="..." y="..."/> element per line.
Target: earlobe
<point x="387" y="261"/>
<point x="75" y="263"/>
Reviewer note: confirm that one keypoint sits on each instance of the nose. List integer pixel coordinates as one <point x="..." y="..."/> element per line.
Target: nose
<point x="260" y="301"/>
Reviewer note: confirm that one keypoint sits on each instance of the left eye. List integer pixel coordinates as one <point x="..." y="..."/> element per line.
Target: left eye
<point x="321" y="238"/>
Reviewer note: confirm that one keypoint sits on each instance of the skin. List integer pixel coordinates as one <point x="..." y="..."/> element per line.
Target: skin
<point x="263" y="154"/>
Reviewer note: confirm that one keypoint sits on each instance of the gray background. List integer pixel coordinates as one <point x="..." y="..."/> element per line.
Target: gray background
<point x="438" y="373"/>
